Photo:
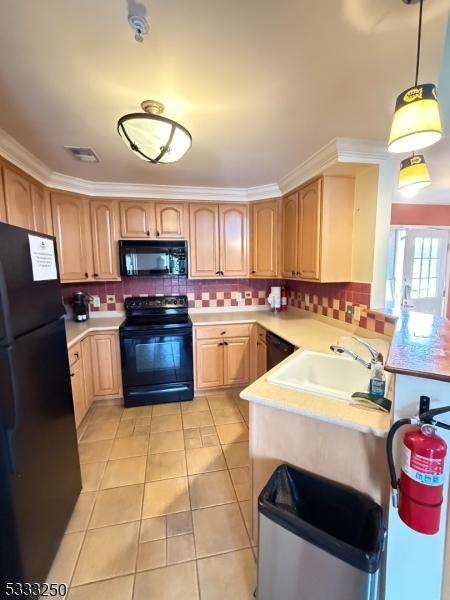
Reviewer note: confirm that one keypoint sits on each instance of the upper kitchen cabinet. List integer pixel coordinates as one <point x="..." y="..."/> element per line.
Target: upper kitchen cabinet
<point x="137" y="219"/>
<point x="289" y="232"/>
<point x="319" y="247"/>
<point x="204" y="244"/>
<point x="264" y="238"/>
<point x="170" y="220"/>
<point x="219" y="240"/>
<point x="104" y="224"/>
<point x="233" y="236"/>
<point x="71" y="226"/>
<point x="19" y="205"/>
<point x="42" y="211"/>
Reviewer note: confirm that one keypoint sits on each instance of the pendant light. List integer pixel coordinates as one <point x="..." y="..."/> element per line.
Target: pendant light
<point x="413" y="175"/>
<point x="416" y="123"/>
<point x="152" y="137"/>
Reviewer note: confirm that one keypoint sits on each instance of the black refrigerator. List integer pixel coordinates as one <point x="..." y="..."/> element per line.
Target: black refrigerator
<point x="39" y="466"/>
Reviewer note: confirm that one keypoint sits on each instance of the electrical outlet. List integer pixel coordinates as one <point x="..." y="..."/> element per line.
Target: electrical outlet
<point x="357" y="313"/>
<point x="111" y="299"/>
<point x="306" y="300"/>
<point x="95" y="301"/>
<point x="236" y="296"/>
<point x="248" y="294"/>
<point x="349" y="311"/>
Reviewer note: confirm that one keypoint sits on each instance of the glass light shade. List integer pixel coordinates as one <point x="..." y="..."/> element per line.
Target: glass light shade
<point x="413" y="175"/>
<point x="416" y="123"/>
<point x="154" y="138"/>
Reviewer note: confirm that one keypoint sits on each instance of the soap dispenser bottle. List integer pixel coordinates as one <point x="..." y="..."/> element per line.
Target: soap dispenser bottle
<point x="377" y="385"/>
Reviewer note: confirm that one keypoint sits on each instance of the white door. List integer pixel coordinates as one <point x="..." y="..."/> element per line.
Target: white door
<point x="424" y="272"/>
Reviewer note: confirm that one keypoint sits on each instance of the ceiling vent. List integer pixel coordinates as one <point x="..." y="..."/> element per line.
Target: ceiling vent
<point x="83" y="154"/>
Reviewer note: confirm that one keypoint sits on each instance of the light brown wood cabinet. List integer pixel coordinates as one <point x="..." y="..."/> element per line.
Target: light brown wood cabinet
<point x="78" y="392"/>
<point x="137" y="219"/>
<point x="204" y="236"/>
<point x="86" y="355"/>
<point x="71" y="225"/>
<point x="151" y="219"/>
<point x="317" y="226"/>
<point x="261" y="352"/>
<point x="170" y="220"/>
<point x="219" y="240"/>
<point x="222" y="356"/>
<point x="106" y="373"/>
<point x="264" y="237"/>
<point x="42" y="211"/>
<point x="19" y="205"/>
<point x="290" y="235"/>
<point x="104" y="224"/>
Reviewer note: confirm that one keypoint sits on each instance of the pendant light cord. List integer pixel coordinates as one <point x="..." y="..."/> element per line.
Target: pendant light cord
<point x="419" y="36"/>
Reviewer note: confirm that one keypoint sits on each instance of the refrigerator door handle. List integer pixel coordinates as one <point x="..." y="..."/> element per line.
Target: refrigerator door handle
<point x="5" y="318"/>
<point x="9" y="403"/>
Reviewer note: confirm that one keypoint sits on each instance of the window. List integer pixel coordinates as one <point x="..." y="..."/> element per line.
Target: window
<point x="425" y="268"/>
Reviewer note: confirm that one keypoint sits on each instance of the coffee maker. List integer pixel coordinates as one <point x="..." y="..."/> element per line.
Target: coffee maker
<point x="80" y="305"/>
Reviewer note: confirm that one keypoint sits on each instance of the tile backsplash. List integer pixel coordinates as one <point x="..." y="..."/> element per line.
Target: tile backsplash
<point x="328" y="299"/>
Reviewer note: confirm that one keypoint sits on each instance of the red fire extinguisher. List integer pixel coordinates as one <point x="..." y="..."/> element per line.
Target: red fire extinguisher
<point x="418" y="494"/>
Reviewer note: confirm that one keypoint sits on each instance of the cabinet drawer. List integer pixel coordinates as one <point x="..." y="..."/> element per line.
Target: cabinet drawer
<point x="216" y="331"/>
<point x="74" y="353"/>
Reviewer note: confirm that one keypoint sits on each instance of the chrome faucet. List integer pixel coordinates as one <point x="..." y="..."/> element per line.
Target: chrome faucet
<point x="375" y="355"/>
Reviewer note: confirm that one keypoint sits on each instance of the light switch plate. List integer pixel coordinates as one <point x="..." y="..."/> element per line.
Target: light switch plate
<point x="95" y="301"/>
<point x="306" y="300"/>
<point x="357" y="313"/>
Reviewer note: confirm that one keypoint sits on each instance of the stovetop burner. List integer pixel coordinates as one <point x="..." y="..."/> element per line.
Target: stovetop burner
<point x="156" y="311"/>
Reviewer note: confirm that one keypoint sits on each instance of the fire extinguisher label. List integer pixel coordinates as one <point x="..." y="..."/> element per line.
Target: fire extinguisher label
<point x="429" y="471"/>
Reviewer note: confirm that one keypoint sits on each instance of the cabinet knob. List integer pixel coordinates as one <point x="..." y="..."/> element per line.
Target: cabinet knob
<point x="86" y="275"/>
<point x="95" y="274"/>
<point x="77" y="355"/>
<point x="157" y="234"/>
<point x="223" y="333"/>
<point x="147" y="232"/>
<point x="72" y="374"/>
<point x="220" y="344"/>
<point x="298" y="273"/>
<point x="217" y="272"/>
<point x="225" y="343"/>
<point x="221" y="272"/>
<point x="253" y="272"/>
<point x="293" y="272"/>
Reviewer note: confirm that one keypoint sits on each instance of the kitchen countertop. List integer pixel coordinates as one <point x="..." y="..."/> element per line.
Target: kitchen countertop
<point x="308" y="333"/>
<point x="421" y="347"/>
<point x="76" y="331"/>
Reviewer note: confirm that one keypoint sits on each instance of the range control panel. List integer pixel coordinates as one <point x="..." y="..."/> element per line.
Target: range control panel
<point x="157" y="302"/>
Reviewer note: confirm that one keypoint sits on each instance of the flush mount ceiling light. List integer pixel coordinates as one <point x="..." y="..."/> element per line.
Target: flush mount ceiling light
<point x="413" y="175"/>
<point x="152" y="137"/>
<point x="416" y="123"/>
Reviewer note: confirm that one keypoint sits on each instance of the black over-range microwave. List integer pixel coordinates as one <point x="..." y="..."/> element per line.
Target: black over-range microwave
<point x="152" y="258"/>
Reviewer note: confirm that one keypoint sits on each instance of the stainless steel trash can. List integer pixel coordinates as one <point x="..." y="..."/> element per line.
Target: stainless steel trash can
<point x="318" y="539"/>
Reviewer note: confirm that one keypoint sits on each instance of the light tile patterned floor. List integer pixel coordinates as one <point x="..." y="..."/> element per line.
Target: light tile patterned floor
<point x="164" y="509"/>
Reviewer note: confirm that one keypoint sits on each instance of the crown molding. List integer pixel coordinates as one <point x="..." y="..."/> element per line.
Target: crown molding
<point x="18" y="155"/>
<point x="338" y="150"/>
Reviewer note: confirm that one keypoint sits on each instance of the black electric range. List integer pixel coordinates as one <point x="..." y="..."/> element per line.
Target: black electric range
<point x="156" y="350"/>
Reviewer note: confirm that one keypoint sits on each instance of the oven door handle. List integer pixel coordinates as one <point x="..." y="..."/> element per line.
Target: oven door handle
<point x="175" y="332"/>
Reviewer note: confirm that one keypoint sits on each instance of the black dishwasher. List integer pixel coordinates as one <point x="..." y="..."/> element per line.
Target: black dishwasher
<point x="277" y="350"/>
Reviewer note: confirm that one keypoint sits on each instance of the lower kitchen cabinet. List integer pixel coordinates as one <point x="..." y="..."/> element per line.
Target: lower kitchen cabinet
<point x="106" y="375"/>
<point x="95" y="371"/>
<point x="222" y="356"/>
<point x="261" y="353"/>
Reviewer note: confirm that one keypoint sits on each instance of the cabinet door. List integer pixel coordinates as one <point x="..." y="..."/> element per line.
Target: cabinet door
<point x="290" y="235"/>
<point x="105" y="365"/>
<point x="78" y="396"/>
<point x="204" y="236"/>
<point x="264" y="239"/>
<point x="104" y="239"/>
<point x="261" y="357"/>
<point x="209" y="363"/>
<point x="233" y="220"/>
<point x="169" y="220"/>
<point x="309" y="231"/>
<point x="42" y="212"/>
<point x="86" y="355"/>
<point x="137" y="219"/>
<point x="2" y="199"/>
<point x="71" y="226"/>
<point x="236" y="364"/>
<point x="19" y="207"/>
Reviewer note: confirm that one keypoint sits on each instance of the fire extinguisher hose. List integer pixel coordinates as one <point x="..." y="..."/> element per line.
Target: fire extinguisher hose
<point x="390" y="457"/>
<point x="428" y="417"/>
